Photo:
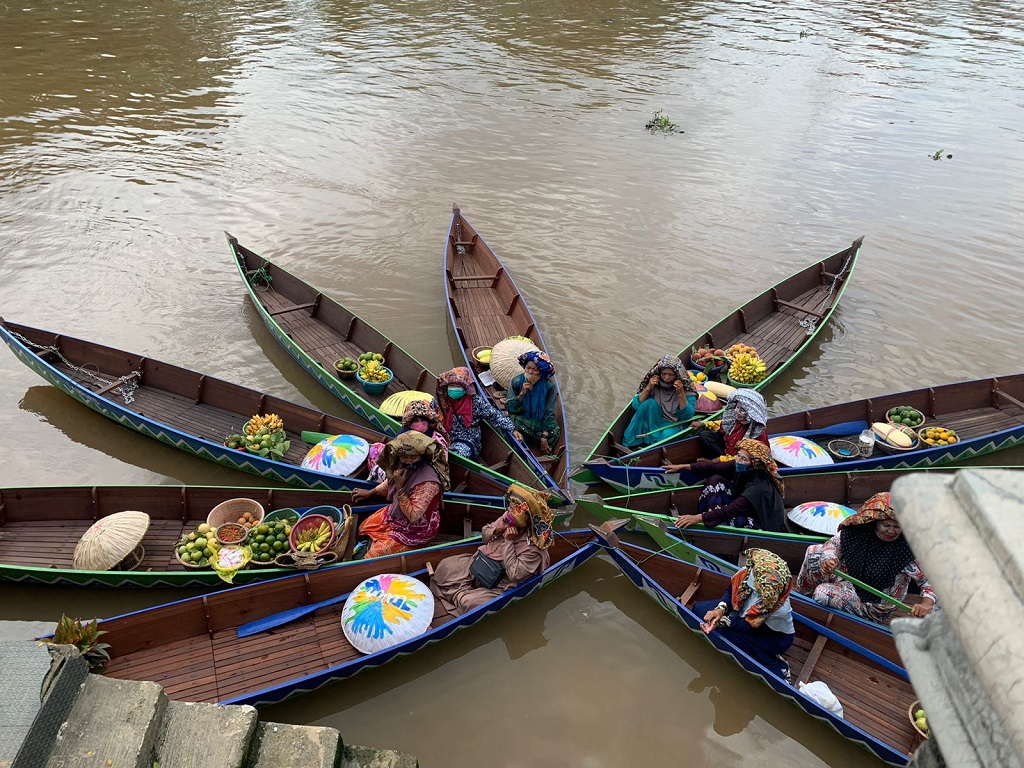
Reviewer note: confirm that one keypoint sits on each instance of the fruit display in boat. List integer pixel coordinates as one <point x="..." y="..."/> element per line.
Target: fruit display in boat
<point x="374" y="371"/>
<point x="268" y="540"/>
<point x="747" y="368"/>
<point x="371" y="357"/>
<point x="197" y="547"/>
<point x="346" y="364"/>
<point x="484" y="356"/>
<point x="738" y="349"/>
<point x="938" y="436"/>
<point x="708" y="356"/>
<point x="262" y="435"/>
<point x="905" y="415"/>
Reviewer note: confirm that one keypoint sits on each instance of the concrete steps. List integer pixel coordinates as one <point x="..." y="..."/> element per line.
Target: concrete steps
<point x="90" y="721"/>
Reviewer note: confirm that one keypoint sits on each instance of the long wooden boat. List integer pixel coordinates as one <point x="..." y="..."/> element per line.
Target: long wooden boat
<point x="40" y="527"/>
<point x="195" y="412"/>
<point x="316" y="331"/>
<point x="484" y="307"/>
<point x="191" y="647"/>
<point x="857" y="661"/>
<point x="987" y="415"/>
<point x="780" y="323"/>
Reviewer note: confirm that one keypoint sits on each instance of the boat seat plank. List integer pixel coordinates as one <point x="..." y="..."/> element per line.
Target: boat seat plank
<point x="292" y="308"/>
<point x="116" y="383"/>
<point x="799" y="308"/>
<point x="469" y="278"/>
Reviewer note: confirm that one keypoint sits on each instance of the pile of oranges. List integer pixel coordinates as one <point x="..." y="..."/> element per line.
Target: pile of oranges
<point x="939" y="436"/>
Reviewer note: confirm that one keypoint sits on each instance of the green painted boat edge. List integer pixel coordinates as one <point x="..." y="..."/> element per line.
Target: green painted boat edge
<point x="686" y="351"/>
<point x="348" y="395"/>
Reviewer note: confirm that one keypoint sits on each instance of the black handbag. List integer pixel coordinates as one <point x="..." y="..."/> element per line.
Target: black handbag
<point x="486" y="571"/>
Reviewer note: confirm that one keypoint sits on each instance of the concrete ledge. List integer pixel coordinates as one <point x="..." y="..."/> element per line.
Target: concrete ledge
<point x="296" y="746"/>
<point x="205" y="735"/>
<point x="113" y="724"/>
<point x="367" y="757"/>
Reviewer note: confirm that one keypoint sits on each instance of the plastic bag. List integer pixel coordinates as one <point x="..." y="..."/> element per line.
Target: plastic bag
<point x="822" y="694"/>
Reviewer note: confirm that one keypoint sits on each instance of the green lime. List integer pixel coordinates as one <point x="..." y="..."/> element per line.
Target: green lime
<point x="264" y="547"/>
<point x="278" y="546"/>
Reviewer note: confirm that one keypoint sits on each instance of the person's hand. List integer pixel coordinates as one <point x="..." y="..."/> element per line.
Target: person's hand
<point x="398" y="477"/>
<point x="711" y="619"/>
<point x="922" y="609"/>
<point x="510" y="533"/>
<point x="685" y="521"/>
<point x="517" y="435"/>
<point x="678" y="385"/>
<point x="361" y="493"/>
<point x="828" y="565"/>
<point x="652" y="383"/>
<point x="697" y="424"/>
<point x="527" y="386"/>
<point x="675" y="467"/>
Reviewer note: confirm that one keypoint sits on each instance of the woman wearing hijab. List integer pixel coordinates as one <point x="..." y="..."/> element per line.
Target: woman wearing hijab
<point x="532" y="400"/>
<point x="745" y="418"/>
<point x="755" y="613"/>
<point x="745" y="492"/>
<point x="418" y="417"/>
<point x="416" y="476"/>
<point x="664" y="402"/>
<point x="461" y="408"/>
<point x="869" y="546"/>
<point x="518" y="540"/>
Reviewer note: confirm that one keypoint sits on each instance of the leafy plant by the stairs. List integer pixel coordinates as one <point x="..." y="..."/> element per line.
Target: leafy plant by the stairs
<point x="85" y="637"/>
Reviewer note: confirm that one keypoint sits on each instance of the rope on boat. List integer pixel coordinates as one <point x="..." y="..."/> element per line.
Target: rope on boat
<point x="260" y="274"/>
<point x="809" y="324"/>
<point x="128" y="383"/>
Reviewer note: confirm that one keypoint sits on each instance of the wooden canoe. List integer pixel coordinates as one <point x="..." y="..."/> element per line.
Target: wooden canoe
<point x="191" y="647"/>
<point x="194" y="412"/>
<point x="780" y="323"/>
<point x="484" y="307"/>
<point x="986" y="414"/>
<point x="857" y="661"/>
<point x="40" y="527"/>
<point x="316" y="331"/>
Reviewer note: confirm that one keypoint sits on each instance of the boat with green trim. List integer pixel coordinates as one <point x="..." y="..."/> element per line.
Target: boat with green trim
<point x="317" y="331"/>
<point x="780" y="324"/>
<point x="194" y="412"/>
<point x="40" y="527"/>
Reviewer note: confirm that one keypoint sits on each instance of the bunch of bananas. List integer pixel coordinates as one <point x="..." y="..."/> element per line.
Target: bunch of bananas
<point x="313" y="539"/>
<point x="747" y="368"/>
<point x="374" y="371"/>
<point x="272" y="422"/>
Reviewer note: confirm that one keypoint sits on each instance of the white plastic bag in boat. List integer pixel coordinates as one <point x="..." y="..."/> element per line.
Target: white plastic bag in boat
<point x="822" y="694"/>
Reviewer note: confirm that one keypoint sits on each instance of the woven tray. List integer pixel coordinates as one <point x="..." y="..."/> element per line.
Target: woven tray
<point x="843" y="450"/>
<point x="886" y="447"/>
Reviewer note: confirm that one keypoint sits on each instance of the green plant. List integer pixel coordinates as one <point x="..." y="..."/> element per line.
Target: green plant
<point x="660" y="123"/>
<point x="85" y="637"/>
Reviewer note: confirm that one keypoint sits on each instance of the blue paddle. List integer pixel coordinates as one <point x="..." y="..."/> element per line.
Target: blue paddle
<point x="286" y="617"/>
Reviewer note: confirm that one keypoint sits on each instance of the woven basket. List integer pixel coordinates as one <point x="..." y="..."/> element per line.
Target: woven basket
<point x="342" y="374"/>
<point x="922" y="430"/>
<point x="375" y="387"/>
<point x="132" y="560"/>
<point x="919" y="413"/>
<point x="344" y="531"/>
<point x="478" y="361"/>
<point x="886" y="447"/>
<point x="312" y="521"/>
<point x="913" y="722"/>
<point x="228" y="526"/>
<point x="229" y="511"/>
<point x="843" y="450"/>
<point x="333" y="513"/>
<point x="192" y="566"/>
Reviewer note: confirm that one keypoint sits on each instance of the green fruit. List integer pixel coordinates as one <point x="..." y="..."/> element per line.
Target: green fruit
<point x="264" y="547"/>
<point x="182" y="550"/>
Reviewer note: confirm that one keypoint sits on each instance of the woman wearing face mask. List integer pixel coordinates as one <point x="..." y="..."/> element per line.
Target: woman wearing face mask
<point x="745" y="417"/>
<point x="418" y="417"/>
<point x="416" y="476"/>
<point x="745" y="492"/>
<point x="663" y="403"/>
<point x="532" y="400"/>
<point x="460" y="409"/>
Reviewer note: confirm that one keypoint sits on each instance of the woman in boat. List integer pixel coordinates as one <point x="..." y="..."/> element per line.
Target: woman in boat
<point x="755" y="613"/>
<point x="745" y="492"/>
<point x="418" y="417"/>
<point x="869" y="546"/>
<point x="745" y="418"/>
<point x="518" y="540"/>
<point x="416" y="476"/>
<point x="663" y="403"/>
<point x="532" y="400"/>
<point x="461" y="408"/>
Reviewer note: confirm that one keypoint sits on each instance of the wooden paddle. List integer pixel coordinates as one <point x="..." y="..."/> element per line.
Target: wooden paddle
<point x="873" y="591"/>
<point x="286" y="617"/>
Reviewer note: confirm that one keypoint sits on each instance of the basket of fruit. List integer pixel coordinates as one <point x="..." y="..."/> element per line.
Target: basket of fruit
<point x="312" y="535"/>
<point x="935" y="436"/>
<point x="747" y="370"/>
<point x="374" y="377"/>
<point x="701" y="359"/>
<point x="918" y="719"/>
<point x="284" y="515"/>
<point x="268" y="540"/>
<point x="195" y="548"/>
<point x="905" y="415"/>
<point x="245" y="512"/>
<point x="262" y="435"/>
<point x="483" y="356"/>
<point x="345" y="367"/>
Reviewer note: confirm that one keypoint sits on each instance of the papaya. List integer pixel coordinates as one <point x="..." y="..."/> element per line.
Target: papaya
<point x="892" y="434"/>
<point x="720" y="390"/>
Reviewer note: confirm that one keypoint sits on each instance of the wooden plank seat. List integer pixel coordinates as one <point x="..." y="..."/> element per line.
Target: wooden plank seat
<point x="799" y="308"/>
<point x="118" y="382"/>
<point x="292" y="308"/>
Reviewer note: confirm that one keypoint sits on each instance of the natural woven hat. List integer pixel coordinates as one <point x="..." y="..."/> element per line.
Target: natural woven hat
<point x="505" y="359"/>
<point x="395" y="404"/>
<point x="110" y="540"/>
